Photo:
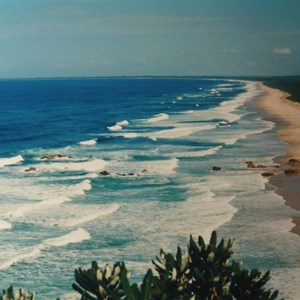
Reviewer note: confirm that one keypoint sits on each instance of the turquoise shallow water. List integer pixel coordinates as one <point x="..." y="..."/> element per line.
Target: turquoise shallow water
<point x="158" y="140"/>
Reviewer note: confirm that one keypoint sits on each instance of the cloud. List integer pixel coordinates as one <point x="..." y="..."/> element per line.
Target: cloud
<point x="107" y="62"/>
<point x="282" y="51"/>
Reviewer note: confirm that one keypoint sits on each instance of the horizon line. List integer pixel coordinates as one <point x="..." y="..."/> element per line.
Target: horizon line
<point x="149" y="76"/>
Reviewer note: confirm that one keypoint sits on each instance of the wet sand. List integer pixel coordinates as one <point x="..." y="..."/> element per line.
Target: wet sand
<point x="286" y="115"/>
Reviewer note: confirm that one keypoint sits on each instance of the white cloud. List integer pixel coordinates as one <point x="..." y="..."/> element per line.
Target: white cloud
<point x="229" y="51"/>
<point x="107" y="62"/>
<point x="282" y="51"/>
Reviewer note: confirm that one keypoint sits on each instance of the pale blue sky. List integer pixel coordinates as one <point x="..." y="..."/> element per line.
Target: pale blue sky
<point x="54" y="38"/>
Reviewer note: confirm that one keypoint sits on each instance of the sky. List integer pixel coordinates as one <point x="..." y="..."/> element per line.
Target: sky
<point x="63" y="38"/>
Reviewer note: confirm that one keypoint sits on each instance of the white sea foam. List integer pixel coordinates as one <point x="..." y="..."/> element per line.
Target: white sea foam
<point x="162" y="167"/>
<point x="225" y="85"/>
<point x="181" y="130"/>
<point x="200" y="153"/>
<point x="240" y="135"/>
<point x="10" y="161"/>
<point x="223" y="123"/>
<point x="29" y="253"/>
<point x="5" y="225"/>
<point x="158" y="118"/>
<point x="89" y="166"/>
<point x="73" y="237"/>
<point x="89" y="216"/>
<point x="78" y="189"/>
<point x="123" y="123"/>
<point x="212" y="210"/>
<point x="88" y="143"/>
<point x="130" y="135"/>
<point x="48" y="196"/>
<point x="116" y="127"/>
<point x="227" y="109"/>
<point x="193" y="96"/>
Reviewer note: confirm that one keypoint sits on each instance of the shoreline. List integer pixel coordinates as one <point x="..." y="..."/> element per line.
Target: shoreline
<point x="285" y="114"/>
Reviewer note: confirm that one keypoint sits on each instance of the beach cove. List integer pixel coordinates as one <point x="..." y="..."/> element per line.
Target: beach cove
<point x="112" y="169"/>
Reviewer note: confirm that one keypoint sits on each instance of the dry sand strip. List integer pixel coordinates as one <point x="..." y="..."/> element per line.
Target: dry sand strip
<point x="286" y="115"/>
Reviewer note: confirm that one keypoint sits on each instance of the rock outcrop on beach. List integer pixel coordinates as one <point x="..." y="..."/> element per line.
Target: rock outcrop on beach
<point x="268" y="174"/>
<point x="293" y="162"/>
<point x="251" y="165"/>
<point x="285" y="168"/>
<point x="291" y="172"/>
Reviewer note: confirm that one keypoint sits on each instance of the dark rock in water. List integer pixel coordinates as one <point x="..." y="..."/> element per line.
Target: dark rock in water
<point x="50" y="156"/>
<point x="291" y="172"/>
<point x="130" y="174"/>
<point x="293" y="161"/>
<point x="31" y="169"/>
<point x="144" y="171"/>
<point x="104" y="173"/>
<point x="268" y="174"/>
<point x="121" y="174"/>
<point x="216" y="168"/>
<point x="54" y="156"/>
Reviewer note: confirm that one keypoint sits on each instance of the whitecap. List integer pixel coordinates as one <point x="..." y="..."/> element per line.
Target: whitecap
<point x="201" y="153"/>
<point x="223" y="123"/>
<point x="29" y="253"/>
<point x="73" y="237"/>
<point x="180" y="131"/>
<point x="130" y="135"/>
<point x="123" y="123"/>
<point x="162" y="167"/>
<point x="115" y="127"/>
<point x="227" y="110"/>
<point x="52" y="196"/>
<point x="158" y="118"/>
<point x="90" y="216"/>
<point x="11" y="161"/>
<point x="88" y="142"/>
<point x="5" y="225"/>
<point x="89" y="166"/>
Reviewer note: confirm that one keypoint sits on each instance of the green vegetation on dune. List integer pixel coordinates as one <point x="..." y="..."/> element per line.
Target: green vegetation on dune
<point x="289" y="84"/>
<point x="202" y="272"/>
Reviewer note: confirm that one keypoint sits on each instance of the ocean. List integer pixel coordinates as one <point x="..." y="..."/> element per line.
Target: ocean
<point x="113" y="169"/>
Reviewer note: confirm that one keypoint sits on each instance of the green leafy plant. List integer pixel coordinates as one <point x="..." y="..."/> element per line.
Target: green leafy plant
<point x="19" y="295"/>
<point x="203" y="272"/>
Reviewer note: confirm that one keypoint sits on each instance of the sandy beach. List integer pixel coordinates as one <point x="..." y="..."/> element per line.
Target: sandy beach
<point x="286" y="115"/>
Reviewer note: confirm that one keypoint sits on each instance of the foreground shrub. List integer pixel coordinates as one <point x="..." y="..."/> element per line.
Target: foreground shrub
<point x="19" y="295"/>
<point x="203" y="272"/>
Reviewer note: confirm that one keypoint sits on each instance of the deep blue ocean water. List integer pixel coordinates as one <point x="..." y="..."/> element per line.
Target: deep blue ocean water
<point x="158" y="139"/>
